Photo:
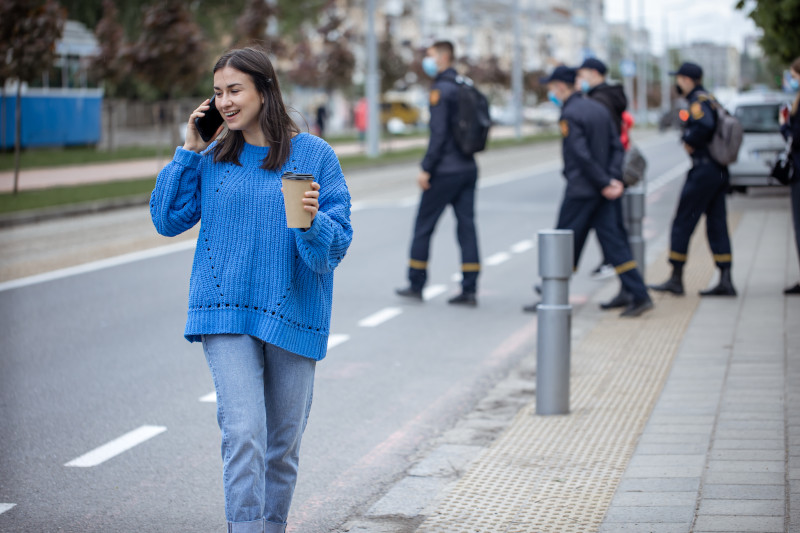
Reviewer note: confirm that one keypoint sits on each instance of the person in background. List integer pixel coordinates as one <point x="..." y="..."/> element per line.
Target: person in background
<point x="703" y="192"/>
<point x="593" y="155"/>
<point x="591" y="80"/>
<point x="790" y="128"/>
<point x="448" y="177"/>
<point x="260" y="293"/>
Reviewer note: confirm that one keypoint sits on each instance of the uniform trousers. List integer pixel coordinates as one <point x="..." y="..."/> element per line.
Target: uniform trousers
<point x="458" y="190"/>
<point x="583" y="214"/>
<point x="796" y="209"/>
<point x="703" y="193"/>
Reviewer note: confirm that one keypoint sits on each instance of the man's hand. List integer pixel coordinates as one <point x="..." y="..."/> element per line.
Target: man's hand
<point x="424" y="180"/>
<point x="613" y="190"/>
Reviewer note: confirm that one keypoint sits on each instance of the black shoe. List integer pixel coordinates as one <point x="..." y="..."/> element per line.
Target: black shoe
<point x="622" y="299"/>
<point x="465" y="298"/>
<point x="409" y="292"/>
<point x="724" y="287"/>
<point x="635" y="309"/>
<point x="792" y="290"/>
<point x="532" y="308"/>
<point x="673" y="285"/>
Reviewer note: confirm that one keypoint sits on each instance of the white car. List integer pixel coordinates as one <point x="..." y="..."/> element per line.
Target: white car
<point x="762" y="140"/>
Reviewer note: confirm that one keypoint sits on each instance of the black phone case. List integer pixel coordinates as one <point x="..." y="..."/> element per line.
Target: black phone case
<point x="207" y="126"/>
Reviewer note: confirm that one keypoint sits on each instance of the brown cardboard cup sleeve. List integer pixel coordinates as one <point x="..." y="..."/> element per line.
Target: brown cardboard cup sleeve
<point x="295" y="187"/>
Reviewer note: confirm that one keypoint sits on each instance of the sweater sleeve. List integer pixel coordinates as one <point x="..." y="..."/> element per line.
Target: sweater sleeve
<point x="323" y="246"/>
<point x="175" y="201"/>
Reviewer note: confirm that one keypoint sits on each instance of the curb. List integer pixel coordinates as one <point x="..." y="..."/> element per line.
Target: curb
<point x="30" y="216"/>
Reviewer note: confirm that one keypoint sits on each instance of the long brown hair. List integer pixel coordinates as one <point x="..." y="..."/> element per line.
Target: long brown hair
<point x="796" y="67"/>
<point x="275" y="122"/>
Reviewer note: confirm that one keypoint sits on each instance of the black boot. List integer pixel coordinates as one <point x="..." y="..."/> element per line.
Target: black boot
<point x="622" y="299"/>
<point x="465" y="298"/>
<point x="674" y="284"/>
<point x="725" y="285"/>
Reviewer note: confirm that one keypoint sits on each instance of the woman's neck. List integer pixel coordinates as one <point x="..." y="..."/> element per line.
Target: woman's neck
<point x="256" y="138"/>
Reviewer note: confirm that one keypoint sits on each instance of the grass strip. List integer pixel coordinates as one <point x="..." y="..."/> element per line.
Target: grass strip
<point x="76" y="194"/>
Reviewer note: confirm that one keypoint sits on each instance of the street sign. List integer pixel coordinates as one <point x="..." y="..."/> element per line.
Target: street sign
<point x="627" y="68"/>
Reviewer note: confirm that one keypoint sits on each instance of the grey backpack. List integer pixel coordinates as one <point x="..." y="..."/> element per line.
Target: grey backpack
<point x="727" y="138"/>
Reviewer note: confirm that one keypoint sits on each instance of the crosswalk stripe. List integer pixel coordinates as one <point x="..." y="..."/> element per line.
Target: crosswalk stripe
<point x="380" y="317"/>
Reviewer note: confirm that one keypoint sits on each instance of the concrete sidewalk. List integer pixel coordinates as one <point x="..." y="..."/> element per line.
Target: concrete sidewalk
<point x="683" y="420"/>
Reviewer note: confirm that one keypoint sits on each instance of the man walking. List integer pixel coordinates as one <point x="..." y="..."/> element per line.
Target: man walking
<point x="703" y="192"/>
<point x="591" y="80"/>
<point x="593" y="157"/>
<point x="448" y="177"/>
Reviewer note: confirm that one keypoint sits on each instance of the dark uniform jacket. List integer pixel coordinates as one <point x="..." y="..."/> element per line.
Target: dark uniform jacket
<point x="443" y="155"/>
<point x="592" y="151"/>
<point x="700" y="125"/>
<point x="613" y="97"/>
<point x="792" y="129"/>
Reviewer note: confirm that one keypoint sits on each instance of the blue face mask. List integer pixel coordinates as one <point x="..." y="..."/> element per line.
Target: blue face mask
<point x="794" y="84"/>
<point x="555" y="99"/>
<point x="429" y="66"/>
<point x="585" y="87"/>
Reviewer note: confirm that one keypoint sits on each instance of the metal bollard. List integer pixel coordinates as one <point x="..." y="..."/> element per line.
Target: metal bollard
<point x="633" y="209"/>
<point x="554" y="315"/>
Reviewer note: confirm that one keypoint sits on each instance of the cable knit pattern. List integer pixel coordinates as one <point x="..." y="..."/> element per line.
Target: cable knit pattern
<point x="251" y="274"/>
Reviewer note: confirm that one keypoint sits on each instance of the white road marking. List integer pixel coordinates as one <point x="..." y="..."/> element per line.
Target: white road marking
<point x="457" y="277"/>
<point x="665" y="178"/>
<point x="429" y="293"/>
<point x="98" y="265"/>
<point x="522" y="246"/>
<point x="496" y="259"/>
<point x="376" y="319"/>
<point x="211" y="397"/>
<point x="6" y="506"/>
<point x="117" y="446"/>
<point x="336" y="339"/>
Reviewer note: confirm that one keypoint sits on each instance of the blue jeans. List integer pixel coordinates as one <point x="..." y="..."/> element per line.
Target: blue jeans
<point x="263" y="399"/>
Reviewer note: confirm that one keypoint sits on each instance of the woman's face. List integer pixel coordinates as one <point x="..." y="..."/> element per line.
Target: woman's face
<point x="238" y="100"/>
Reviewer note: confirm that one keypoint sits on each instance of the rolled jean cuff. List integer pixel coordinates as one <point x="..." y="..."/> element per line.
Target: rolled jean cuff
<point x="256" y="526"/>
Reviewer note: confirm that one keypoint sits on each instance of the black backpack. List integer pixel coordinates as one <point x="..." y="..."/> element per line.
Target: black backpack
<point x="471" y="122"/>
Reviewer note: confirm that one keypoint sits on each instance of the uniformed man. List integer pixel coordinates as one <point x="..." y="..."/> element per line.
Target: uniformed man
<point x="448" y="177"/>
<point x="591" y="80"/>
<point x="593" y="157"/>
<point x="703" y="192"/>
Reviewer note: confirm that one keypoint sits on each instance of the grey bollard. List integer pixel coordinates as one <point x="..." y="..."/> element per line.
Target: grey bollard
<point x="554" y="316"/>
<point x="633" y="207"/>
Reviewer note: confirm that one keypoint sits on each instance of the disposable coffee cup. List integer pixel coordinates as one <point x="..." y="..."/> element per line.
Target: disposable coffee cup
<point x="295" y="187"/>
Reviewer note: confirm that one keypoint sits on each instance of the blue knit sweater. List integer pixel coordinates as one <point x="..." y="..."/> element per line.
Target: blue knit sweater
<point x="251" y="274"/>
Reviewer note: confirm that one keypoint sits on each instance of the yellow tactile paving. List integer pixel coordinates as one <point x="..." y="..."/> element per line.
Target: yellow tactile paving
<point x="558" y="474"/>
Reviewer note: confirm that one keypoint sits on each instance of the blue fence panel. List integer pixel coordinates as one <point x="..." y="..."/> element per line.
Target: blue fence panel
<point x="54" y="118"/>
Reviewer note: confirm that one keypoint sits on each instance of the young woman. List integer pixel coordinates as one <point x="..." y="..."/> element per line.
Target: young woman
<point x="790" y="127"/>
<point x="259" y="293"/>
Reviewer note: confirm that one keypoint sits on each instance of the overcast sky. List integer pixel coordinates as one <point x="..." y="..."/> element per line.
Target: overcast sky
<point x="687" y="20"/>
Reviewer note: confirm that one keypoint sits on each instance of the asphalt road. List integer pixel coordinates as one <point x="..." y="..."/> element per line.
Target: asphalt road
<point x="95" y="356"/>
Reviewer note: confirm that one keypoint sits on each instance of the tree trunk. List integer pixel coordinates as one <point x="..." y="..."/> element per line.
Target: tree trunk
<point x="110" y="108"/>
<point x="17" y="134"/>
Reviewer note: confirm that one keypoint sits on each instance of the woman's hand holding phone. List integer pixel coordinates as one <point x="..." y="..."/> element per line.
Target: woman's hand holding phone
<point x="194" y="141"/>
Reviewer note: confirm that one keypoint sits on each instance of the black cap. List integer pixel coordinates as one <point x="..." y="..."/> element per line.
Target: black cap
<point x="594" y="64"/>
<point x="690" y="70"/>
<point x="561" y="73"/>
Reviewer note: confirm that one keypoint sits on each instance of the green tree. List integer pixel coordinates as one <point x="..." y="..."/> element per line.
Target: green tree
<point x="779" y="19"/>
<point x="170" y="54"/>
<point x="29" y="30"/>
<point x="108" y="65"/>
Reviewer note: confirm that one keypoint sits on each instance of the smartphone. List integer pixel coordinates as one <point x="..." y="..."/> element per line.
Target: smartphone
<point x="208" y="125"/>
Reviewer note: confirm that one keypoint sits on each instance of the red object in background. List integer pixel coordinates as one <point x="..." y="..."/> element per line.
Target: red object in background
<point x="627" y="124"/>
<point x="360" y="115"/>
<point x="683" y="115"/>
<point x="785" y="113"/>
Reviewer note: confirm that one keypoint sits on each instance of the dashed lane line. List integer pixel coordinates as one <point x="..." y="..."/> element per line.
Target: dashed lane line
<point x="117" y="446"/>
<point x="376" y="319"/>
<point x="6" y="507"/>
<point x="522" y="246"/>
<point x="336" y="339"/>
<point x="497" y="259"/>
<point x="211" y="397"/>
<point x="429" y="293"/>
